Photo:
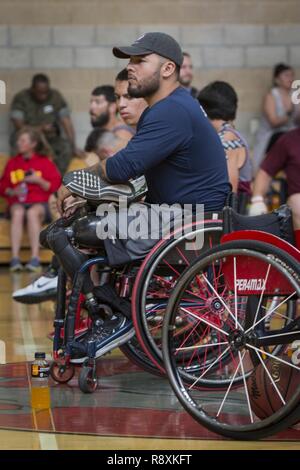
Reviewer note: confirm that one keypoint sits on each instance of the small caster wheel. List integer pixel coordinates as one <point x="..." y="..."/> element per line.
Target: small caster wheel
<point x="62" y="373"/>
<point x="87" y="379"/>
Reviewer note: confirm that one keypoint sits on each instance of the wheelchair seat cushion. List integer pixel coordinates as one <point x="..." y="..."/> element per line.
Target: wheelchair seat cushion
<point x="87" y="183"/>
<point x="279" y="222"/>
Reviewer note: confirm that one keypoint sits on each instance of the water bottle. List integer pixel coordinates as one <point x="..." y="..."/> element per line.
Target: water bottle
<point x="40" y="392"/>
<point x="24" y="191"/>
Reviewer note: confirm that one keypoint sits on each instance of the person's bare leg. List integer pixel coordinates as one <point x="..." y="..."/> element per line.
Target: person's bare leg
<point x="35" y="216"/>
<point x="17" y="212"/>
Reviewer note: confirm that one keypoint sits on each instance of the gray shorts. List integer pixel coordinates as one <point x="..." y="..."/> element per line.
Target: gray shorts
<point x="132" y="232"/>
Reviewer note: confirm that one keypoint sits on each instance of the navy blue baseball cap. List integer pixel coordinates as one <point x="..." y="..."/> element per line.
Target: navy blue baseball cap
<point x="149" y="43"/>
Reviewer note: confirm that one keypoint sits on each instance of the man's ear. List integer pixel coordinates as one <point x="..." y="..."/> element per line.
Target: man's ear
<point x="168" y="69"/>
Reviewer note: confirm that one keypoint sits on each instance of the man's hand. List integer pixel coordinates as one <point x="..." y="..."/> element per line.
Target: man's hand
<point x="62" y="194"/>
<point x="71" y="204"/>
<point x="257" y="206"/>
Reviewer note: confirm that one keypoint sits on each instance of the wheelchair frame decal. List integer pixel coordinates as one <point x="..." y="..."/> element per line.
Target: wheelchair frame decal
<point x="250" y="284"/>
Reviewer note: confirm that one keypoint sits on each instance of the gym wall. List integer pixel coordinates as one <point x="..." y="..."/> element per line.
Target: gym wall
<point x="234" y="40"/>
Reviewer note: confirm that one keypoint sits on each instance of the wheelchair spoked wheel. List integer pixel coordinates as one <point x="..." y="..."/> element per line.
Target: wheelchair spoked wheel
<point x="136" y="355"/>
<point x="282" y="318"/>
<point x="249" y="363"/>
<point x="156" y="280"/>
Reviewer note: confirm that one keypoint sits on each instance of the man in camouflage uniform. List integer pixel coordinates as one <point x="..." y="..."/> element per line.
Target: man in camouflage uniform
<point x="46" y="110"/>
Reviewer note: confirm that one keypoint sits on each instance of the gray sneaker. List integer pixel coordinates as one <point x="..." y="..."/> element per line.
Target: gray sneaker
<point x="34" y="265"/>
<point x="15" y="265"/>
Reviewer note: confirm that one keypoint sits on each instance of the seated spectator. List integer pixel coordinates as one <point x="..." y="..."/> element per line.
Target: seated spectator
<point x="103" y="113"/>
<point x="219" y="100"/>
<point x="280" y="115"/>
<point x="284" y="155"/>
<point x="91" y="158"/>
<point x="186" y="75"/>
<point x="92" y="144"/>
<point x="46" y="110"/>
<point x="129" y="108"/>
<point x="28" y="180"/>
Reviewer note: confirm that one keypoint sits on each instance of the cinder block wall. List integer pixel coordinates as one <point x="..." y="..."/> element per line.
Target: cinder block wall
<point x="234" y="40"/>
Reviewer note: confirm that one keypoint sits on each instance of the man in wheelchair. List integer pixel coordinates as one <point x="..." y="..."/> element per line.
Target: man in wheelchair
<point x="175" y="148"/>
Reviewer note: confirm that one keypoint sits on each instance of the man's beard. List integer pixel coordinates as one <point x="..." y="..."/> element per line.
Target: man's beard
<point x="100" y="121"/>
<point x="185" y="82"/>
<point x="146" y="88"/>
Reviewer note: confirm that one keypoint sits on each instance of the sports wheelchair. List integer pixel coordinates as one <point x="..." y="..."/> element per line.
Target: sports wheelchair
<point x="146" y="286"/>
<point x="241" y="299"/>
<point x="230" y="316"/>
<point x="140" y="288"/>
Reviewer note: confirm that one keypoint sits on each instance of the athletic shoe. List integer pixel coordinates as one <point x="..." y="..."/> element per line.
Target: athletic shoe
<point x="34" y="265"/>
<point x="42" y="289"/>
<point x="16" y="265"/>
<point x="108" y="335"/>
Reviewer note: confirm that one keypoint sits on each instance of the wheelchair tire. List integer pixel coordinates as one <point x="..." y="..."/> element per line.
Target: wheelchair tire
<point x="133" y="351"/>
<point x="87" y="381"/>
<point x="62" y="373"/>
<point x="229" y="412"/>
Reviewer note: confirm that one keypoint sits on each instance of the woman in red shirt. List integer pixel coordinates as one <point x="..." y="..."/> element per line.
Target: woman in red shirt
<point x="28" y="180"/>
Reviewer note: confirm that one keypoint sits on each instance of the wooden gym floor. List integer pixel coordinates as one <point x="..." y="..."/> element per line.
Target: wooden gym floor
<point x="123" y="414"/>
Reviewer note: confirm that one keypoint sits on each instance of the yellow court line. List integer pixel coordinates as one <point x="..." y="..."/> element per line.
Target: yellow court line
<point x="45" y="439"/>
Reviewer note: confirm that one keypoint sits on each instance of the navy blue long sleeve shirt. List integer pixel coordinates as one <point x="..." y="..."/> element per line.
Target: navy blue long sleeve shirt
<point x="178" y="151"/>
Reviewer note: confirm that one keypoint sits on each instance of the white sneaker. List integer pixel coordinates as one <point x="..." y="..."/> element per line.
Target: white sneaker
<point x="42" y="289"/>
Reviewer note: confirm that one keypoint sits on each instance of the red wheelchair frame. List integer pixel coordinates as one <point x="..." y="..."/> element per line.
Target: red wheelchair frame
<point x="248" y="280"/>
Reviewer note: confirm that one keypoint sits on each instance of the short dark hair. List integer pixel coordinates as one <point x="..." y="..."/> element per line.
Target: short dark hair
<point x="93" y="138"/>
<point x="122" y="76"/>
<point x="106" y="90"/>
<point x="278" y="69"/>
<point x="219" y="100"/>
<point x="39" y="78"/>
<point x="186" y="54"/>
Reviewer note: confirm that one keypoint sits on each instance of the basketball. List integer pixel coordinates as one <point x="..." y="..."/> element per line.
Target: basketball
<point x="264" y="398"/>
